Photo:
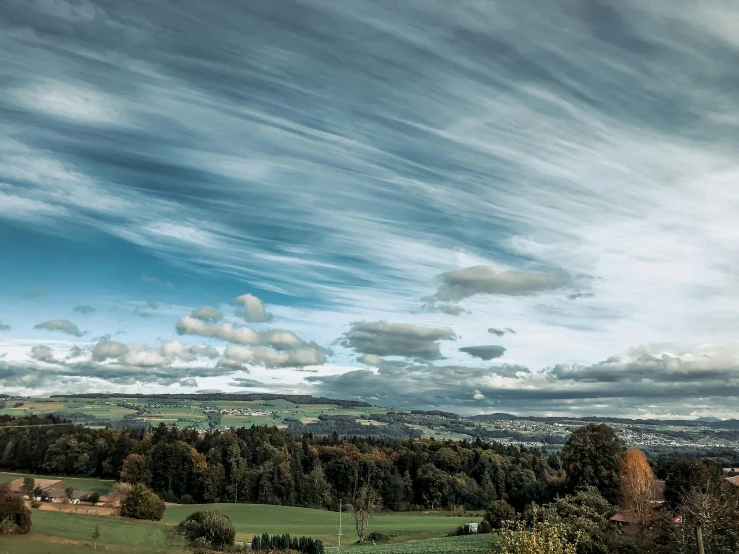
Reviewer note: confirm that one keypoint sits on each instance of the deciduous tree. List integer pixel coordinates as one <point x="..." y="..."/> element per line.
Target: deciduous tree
<point x="142" y="503"/>
<point x="591" y="457"/>
<point x="214" y="527"/>
<point x="365" y="502"/>
<point x="637" y="486"/>
<point x="15" y="517"/>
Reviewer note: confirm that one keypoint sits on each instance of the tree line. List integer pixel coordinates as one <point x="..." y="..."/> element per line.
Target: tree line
<point x="274" y="466"/>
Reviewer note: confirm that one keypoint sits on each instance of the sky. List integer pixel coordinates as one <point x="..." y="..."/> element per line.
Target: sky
<point x="484" y="206"/>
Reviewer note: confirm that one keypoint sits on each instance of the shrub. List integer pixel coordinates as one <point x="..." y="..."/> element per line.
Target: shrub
<point x="549" y="538"/>
<point x="35" y="504"/>
<point x="284" y="543"/>
<point x="215" y="528"/>
<point x="15" y="517"/>
<point x="142" y="503"/>
<point x="499" y="514"/>
<point x="374" y="536"/>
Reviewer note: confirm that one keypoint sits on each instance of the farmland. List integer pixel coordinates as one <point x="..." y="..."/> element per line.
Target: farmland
<point x="323" y="417"/>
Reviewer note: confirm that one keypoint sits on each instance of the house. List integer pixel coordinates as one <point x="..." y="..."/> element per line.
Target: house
<point x="54" y="494"/>
<point x="81" y="497"/>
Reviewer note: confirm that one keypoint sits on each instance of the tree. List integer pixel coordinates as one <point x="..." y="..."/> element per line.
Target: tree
<point x="135" y="469"/>
<point x="15" y="517"/>
<point x="96" y="536"/>
<point x="120" y="490"/>
<point x="584" y="518"/>
<point x="500" y="514"/>
<point x="687" y="476"/>
<point x="215" y="528"/>
<point x="366" y="502"/>
<point x="142" y="503"/>
<point x="637" y="487"/>
<point x="709" y="515"/>
<point x="69" y="491"/>
<point x="591" y="457"/>
<point x="29" y="483"/>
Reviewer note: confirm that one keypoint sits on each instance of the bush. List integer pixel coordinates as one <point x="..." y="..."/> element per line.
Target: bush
<point x="542" y="538"/>
<point x="15" y="517"/>
<point x="35" y="504"/>
<point x="499" y="514"/>
<point x="484" y="527"/>
<point x="142" y="503"/>
<point x="374" y="536"/>
<point x="215" y="528"/>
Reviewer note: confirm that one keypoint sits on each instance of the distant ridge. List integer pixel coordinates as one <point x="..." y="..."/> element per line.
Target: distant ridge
<point x="295" y="398"/>
<point x="706" y="421"/>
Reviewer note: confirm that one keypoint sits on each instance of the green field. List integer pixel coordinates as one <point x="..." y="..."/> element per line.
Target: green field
<point x="253" y="519"/>
<point x="57" y="532"/>
<point x="472" y="544"/>
<point x="94" y="485"/>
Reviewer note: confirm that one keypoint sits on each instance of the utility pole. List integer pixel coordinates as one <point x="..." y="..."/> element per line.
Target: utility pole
<point x="340" y="501"/>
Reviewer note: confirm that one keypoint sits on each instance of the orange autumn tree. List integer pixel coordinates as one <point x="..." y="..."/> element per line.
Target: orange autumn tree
<point x="637" y="486"/>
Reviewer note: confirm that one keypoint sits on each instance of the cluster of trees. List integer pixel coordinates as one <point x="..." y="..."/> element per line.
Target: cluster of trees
<point x="273" y="466"/>
<point x="30" y="445"/>
<point x="305" y="545"/>
<point x="700" y="512"/>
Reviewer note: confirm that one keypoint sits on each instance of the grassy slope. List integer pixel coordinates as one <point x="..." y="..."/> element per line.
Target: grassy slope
<point x="252" y="519"/>
<point x="55" y="532"/>
<point x="95" y="485"/>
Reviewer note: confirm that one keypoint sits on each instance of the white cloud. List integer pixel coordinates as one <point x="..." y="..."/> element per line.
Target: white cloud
<point x="252" y="308"/>
<point x="42" y="353"/>
<point x="188" y="325"/>
<point x="207" y="313"/>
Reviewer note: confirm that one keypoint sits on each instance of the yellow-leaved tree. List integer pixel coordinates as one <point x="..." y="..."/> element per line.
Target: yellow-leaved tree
<point x="637" y="487"/>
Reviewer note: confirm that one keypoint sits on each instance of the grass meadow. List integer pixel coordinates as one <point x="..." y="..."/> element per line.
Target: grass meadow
<point x="253" y="519"/>
<point x="411" y="532"/>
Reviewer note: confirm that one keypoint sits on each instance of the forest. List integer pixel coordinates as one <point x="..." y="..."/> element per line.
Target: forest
<point x="273" y="466"/>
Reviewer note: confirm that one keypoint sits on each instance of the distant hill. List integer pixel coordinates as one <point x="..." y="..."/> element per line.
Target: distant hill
<point x="493" y="417"/>
<point x="295" y="398"/>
